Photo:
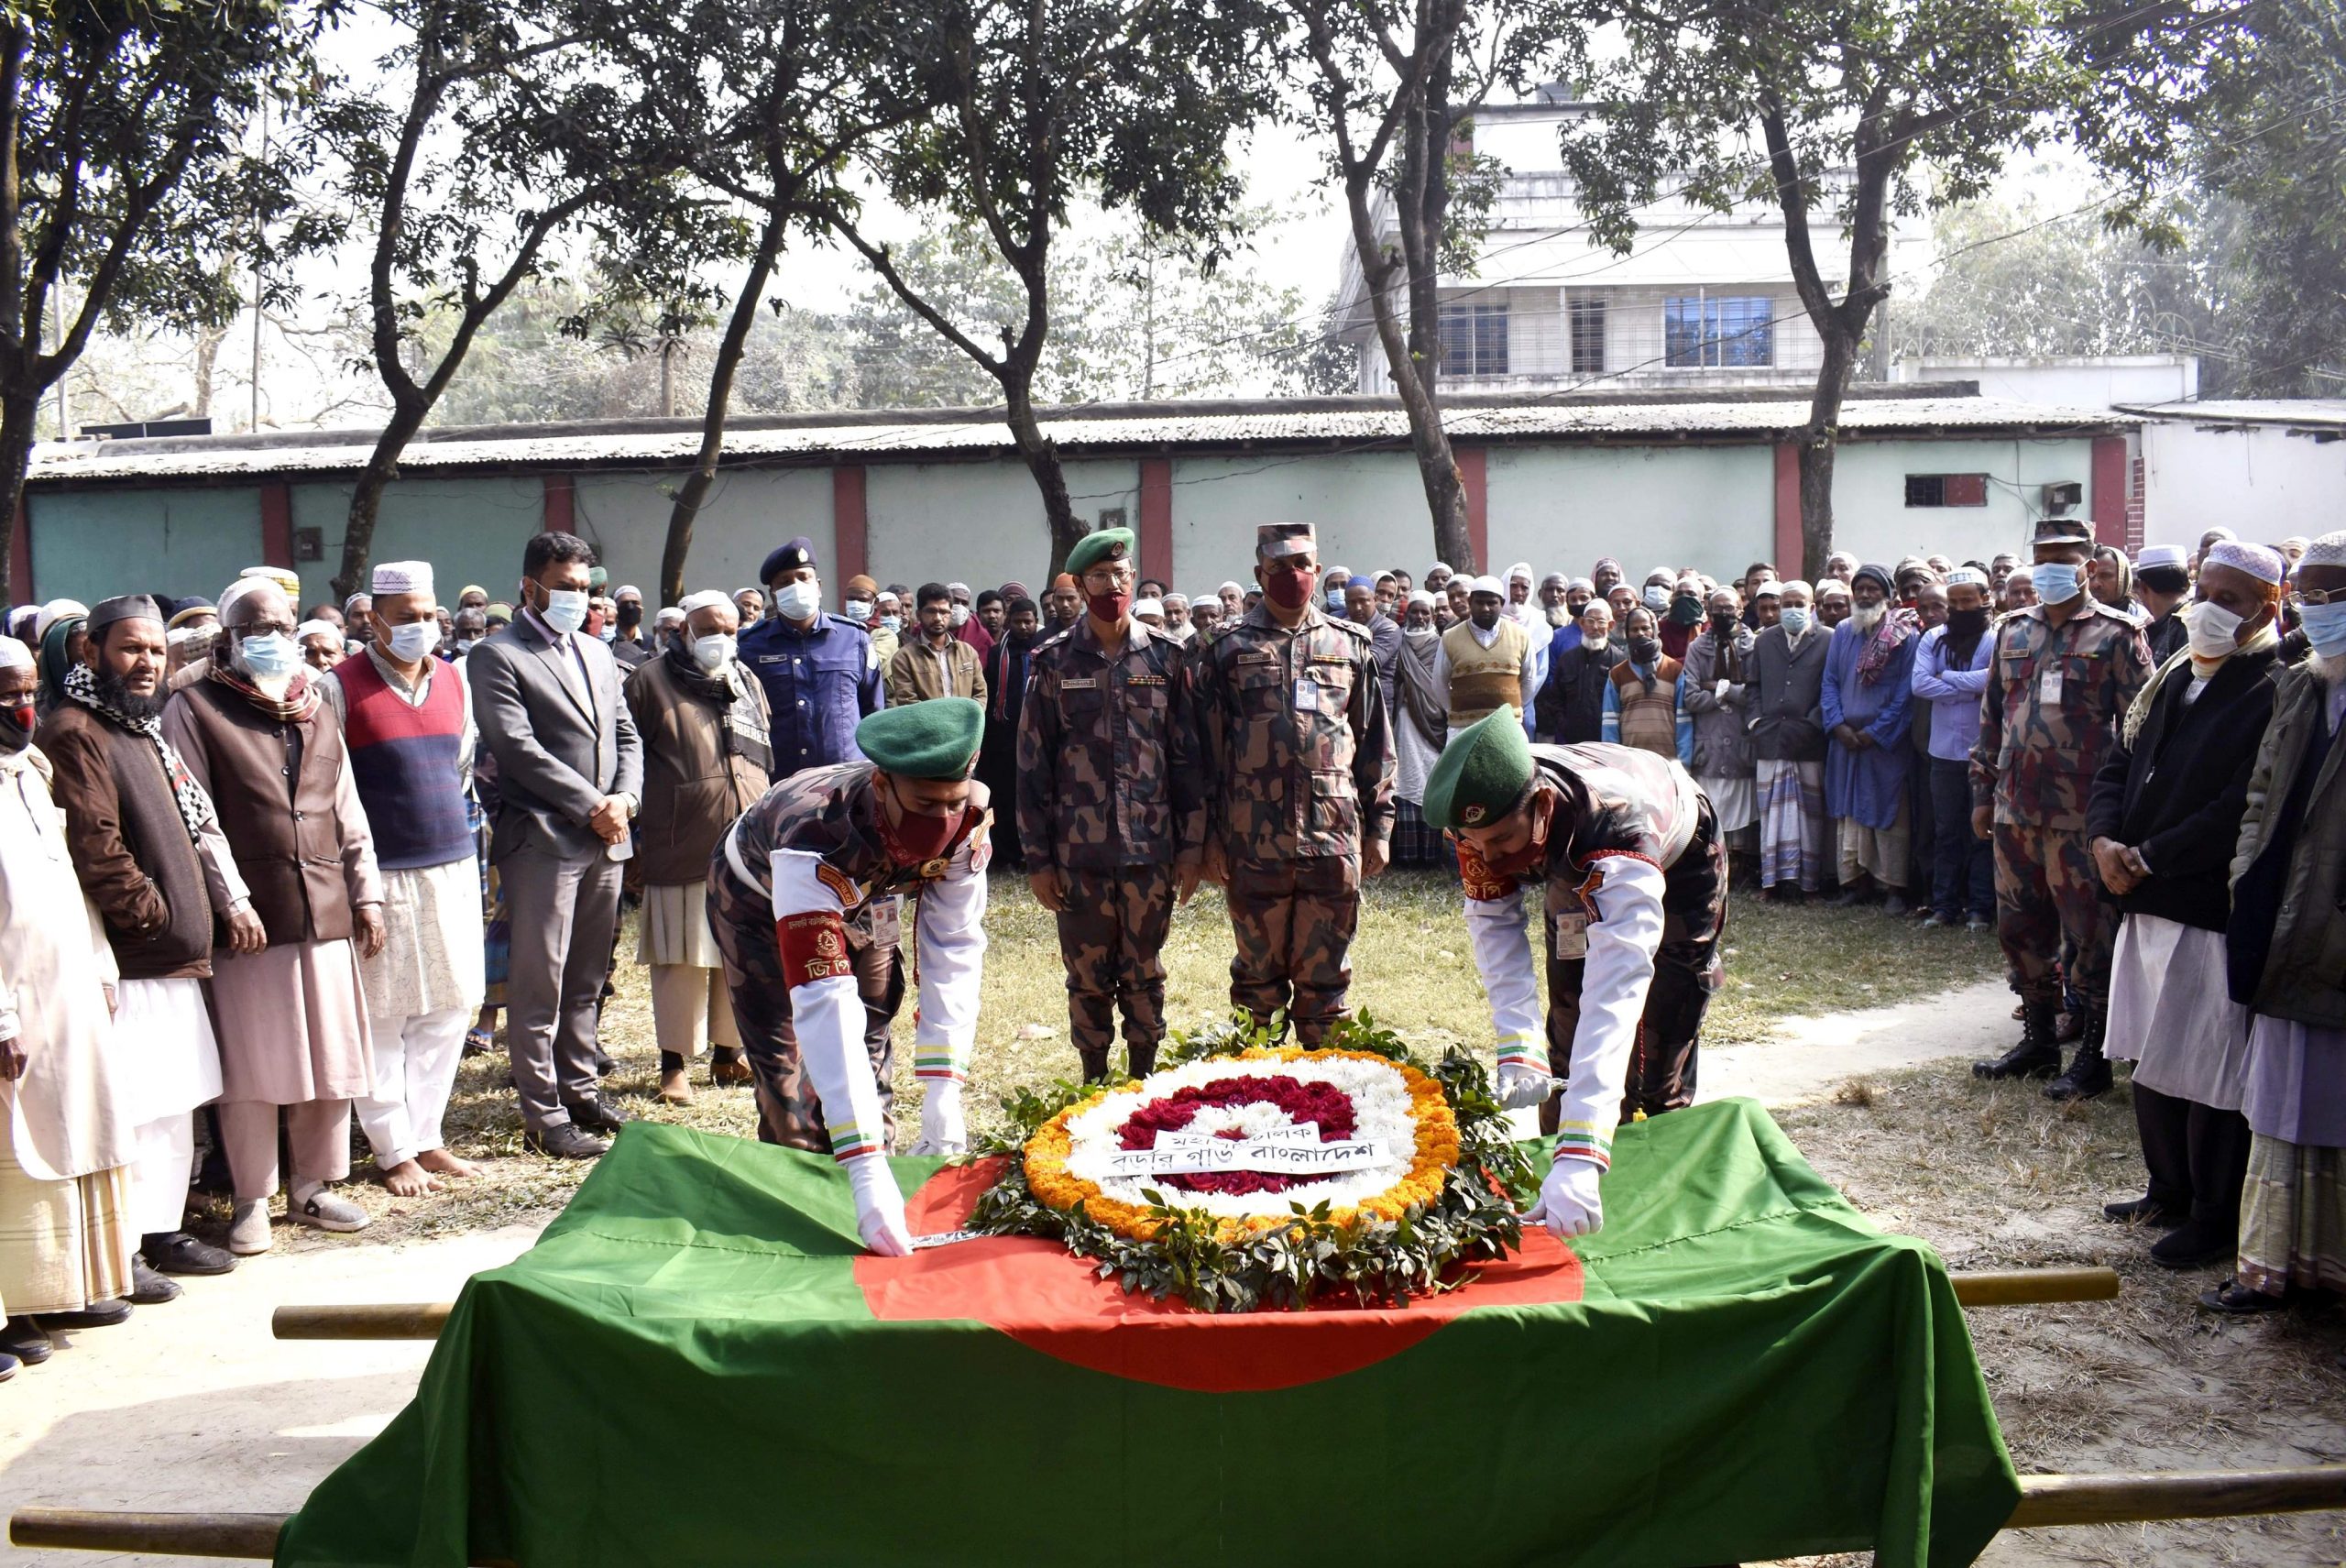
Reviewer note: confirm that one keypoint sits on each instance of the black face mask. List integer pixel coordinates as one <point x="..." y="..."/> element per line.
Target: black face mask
<point x="1686" y="610"/>
<point x="1724" y="622"/>
<point x="1644" y="649"/>
<point x="1967" y="622"/>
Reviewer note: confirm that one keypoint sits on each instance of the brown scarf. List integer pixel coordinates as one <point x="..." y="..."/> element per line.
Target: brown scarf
<point x="300" y="701"/>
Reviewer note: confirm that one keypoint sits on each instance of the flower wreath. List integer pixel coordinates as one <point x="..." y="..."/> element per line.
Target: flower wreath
<point x="1425" y="1163"/>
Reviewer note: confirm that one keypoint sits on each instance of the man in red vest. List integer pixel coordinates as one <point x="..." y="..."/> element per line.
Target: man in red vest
<point x="407" y="722"/>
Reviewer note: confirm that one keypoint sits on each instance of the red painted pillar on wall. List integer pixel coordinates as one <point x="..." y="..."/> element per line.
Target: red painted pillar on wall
<point x="2108" y="499"/>
<point x="1474" y="476"/>
<point x="277" y="526"/>
<point x="1788" y="541"/>
<point x="1157" y="519"/>
<point x="562" y="503"/>
<point x="850" y="524"/>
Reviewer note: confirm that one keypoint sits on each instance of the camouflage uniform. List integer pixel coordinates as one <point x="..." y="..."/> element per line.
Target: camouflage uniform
<point x="1300" y="770"/>
<point x="1109" y="794"/>
<point x="1617" y="805"/>
<point x="2048" y="717"/>
<point x="832" y="813"/>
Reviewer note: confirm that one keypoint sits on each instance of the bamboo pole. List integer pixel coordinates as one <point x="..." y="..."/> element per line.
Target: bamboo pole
<point x="424" y="1320"/>
<point x="2126" y="1498"/>
<point x="2122" y="1497"/>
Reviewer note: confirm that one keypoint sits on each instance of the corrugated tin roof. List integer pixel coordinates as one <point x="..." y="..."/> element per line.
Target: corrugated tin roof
<point x="1371" y="426"/>
<point x="2311" y="413"/>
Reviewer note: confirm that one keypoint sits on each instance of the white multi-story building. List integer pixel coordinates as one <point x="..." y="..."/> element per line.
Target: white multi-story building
<point x="1704" y="300"/>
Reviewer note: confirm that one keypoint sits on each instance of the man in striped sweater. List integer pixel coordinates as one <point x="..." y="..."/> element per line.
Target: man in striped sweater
<point x="408" y="724"/>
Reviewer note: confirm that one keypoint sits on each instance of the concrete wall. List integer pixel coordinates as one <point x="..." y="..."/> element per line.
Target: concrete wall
<point x="2076" y="383"/>
<point x="1368" y="508"/>
<point x="2261" y="481"/>
<point x="1560" y="508"/>
<point x="981" y="523"/>
<point x="748" y="512"/>
<point x="92" y="544"/>
<point x="1871" y="519"/>
<point x="471" y="531"/>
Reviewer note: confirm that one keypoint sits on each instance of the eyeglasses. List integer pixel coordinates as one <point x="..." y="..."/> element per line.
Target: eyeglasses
<point x="2321" y="596"/>
<point x="1106" y="577"/>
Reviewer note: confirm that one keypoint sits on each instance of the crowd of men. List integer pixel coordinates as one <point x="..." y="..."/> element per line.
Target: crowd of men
<point x="266" y="870"/>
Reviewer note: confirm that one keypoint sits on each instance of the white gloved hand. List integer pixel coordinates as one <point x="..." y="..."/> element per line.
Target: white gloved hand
<point x="1569" y="1202"/>
<point x="879" y="1207"/>
<point x="943" y="1130"/>
<point x="1521" y="1084"/>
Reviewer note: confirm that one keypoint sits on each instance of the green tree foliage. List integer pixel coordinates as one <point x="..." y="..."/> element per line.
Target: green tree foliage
<point x="128" y="181"/>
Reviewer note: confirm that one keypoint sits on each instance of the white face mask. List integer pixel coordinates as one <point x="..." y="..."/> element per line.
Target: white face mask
<point x="798" y="600"/>
<point x="856" y="609"/>
<point x="2214" y="630"/>
<point x="960" y="615"/>
<point x="713" y="653"/>
<point x="413" y="641"/>
<point x="566" y="608"/>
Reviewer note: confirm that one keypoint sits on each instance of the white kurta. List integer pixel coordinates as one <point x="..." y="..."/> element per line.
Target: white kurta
<point x="433" y="959"/>
<point x="2171" y="1014"/>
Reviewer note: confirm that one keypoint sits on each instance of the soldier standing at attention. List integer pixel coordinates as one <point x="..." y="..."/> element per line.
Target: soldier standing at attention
<point x="1111" y="802"/>
<point x="2064" y="672"/>
<point x="1299" y="785"/>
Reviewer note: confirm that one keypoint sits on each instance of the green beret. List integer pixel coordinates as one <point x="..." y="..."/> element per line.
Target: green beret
<point x="1480" y="774"/>
<point x="1108" y="544"/>
<point x="933" y="740"/>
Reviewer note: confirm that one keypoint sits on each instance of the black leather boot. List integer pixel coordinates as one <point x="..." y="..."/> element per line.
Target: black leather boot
<point x="1095" y="1063"/>
<point x="2036" y="1056"/>
<point x="2089" y="1072"/>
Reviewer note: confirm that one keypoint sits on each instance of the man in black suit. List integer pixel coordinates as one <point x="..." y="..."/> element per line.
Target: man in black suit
<point x="570" y="774"/>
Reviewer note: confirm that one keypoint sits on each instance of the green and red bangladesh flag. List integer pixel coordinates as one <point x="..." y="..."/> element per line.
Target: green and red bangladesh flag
<point x="698" y="1365"/>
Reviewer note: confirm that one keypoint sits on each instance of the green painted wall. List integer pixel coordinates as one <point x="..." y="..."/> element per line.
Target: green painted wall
<point x="472" y="531"/>
<point x="92" y="544"/>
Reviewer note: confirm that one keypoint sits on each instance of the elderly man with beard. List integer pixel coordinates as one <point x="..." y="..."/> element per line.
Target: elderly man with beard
<point x="407" y="723"/>
<point x="1620" y="852"/>
<point x="1645" y="697"/>
<point x="147" y="847"/>
<point x="1569" y="709"/>
<point x="2286" y="928"/>
<point x="289" y="995"/>
<point x="1486" y="661"/>
<point x="1867" y="690"/>
<point x="704" y="724"/>
<point x="2164" y="820"/>
<point x="1787" y="726"/>
<point x="1717" y="697"/>
<point x="65" y="1137"/>
<point x="1420" y="726"/>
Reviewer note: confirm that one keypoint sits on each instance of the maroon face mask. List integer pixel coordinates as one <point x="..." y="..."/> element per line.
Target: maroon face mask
<point x="1109" y="607"/>
<point x="915" y="835"/>
<point x="1535" y="849"/>
<point x="1288" y="589"/>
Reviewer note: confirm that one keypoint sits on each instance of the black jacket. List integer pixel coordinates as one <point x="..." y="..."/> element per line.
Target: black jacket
<point x="1569" y="709"/>
<point x="2178" y="793"/>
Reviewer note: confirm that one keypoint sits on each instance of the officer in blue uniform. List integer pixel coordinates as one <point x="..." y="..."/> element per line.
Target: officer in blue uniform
<point x="820" y="672"/>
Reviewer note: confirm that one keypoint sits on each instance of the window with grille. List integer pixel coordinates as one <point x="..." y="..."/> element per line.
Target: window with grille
<point x="1474" y="340"/>
<point x="1705" y="330"/>
<point x="1947" y="489"/>
<point x="1585" y="319"/>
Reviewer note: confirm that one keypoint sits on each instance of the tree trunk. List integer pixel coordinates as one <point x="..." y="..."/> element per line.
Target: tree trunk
<point x="367" y="501"/>
<point x="19" y="415"/>
<point x="1042" y="458"/>
<point x="729" y="351"/>
<point x="1817" y="441"/>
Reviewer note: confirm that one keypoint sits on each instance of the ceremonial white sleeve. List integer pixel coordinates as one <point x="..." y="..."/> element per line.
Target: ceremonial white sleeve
<point x="950" y="936"/>
<point x="1503" y="958"/>
<point x="1619" y="969"/>
<point x="826" y="1009"/>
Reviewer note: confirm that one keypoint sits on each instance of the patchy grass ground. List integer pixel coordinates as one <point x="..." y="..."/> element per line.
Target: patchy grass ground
<point x="1411" y="969"/>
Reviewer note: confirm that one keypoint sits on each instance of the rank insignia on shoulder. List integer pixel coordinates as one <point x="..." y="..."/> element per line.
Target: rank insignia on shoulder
<point x="1144" y="680"/>
<point x="851" y="892"/>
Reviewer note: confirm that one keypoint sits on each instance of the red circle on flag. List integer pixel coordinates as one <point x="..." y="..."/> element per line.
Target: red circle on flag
<point x="1048" y="1300"/>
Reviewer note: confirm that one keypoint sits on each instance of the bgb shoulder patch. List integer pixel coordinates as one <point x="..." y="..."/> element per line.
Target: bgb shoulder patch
<point x="814" y="946"/>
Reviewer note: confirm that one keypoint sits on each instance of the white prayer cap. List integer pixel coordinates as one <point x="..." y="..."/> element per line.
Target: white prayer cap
<point x="1419" y="596"/>
<point x="1521" y="569"/>
<point x="627" y="592"/>
<point x="54" y="611"/>
<point x="2329" y="550"/>
<point x="707" y="599"/>
<point x="403" y="577"/>
<point x="2264" y="565"/>
<point x="355" y="597"/>
<point x="1583" y="584"/>
<point x="286" y="582"/>
<point x="1786" y="587"/>
<point x="673" y="616"/>
<point x="243" y="588"/>
<point x="179" y="634"/>
<point x="14" y="655"/>
<point x="1442" y="567"/>
<point x="310" y="629"/>
<point x="1961" y="575"/>
<point x="1231" y="589"/>
<point x="1486" y="584"/>
<point x="1148" y="607"/>
<point x="2162" y="555"/>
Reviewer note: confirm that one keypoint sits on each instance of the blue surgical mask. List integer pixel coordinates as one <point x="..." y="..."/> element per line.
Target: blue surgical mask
<point x="414" y="639"/>
<point x="2325" y="627"/>
<point x="270" y="656"/>
<point x="856" y="609"/>
<point x="1793" y="620"/>
<point x="566" y="608"/>
<point x="1335" y="604"/>
<point x="892" y="623"/>
<point x="2057" y="582"/>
